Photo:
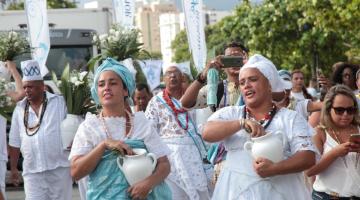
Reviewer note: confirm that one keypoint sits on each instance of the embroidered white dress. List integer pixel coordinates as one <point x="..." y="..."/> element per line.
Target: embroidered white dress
<point x="238" y="180"/>
<point x="187" y="171"/>
<point x="91" y="132"/>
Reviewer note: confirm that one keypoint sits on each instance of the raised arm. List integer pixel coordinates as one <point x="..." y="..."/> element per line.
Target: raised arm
<point x="214" y="131"/>
<point x="19" y="92"/>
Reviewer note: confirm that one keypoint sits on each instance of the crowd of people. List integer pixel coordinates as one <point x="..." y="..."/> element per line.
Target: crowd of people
<point x="319" y="133"/>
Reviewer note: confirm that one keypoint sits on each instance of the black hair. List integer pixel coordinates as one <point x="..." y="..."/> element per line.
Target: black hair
<point x="234" y="44"/>
<point x="141" y="86"/>
<point x="49" y="89"/>
<point x="338" y="70"/>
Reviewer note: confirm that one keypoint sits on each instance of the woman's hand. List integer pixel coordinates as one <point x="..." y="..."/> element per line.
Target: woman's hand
<point x="140" y="190"/>
<point x="254" y="128"/>
<point x="216" y="63"/>
<point x="264" y="167"/>
<point x="342" y="149"/>
<point x="355" y="147"/>
<point x="119" y="146"/>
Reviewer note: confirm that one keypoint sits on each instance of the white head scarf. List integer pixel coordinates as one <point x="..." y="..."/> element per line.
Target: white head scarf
<point x="268" y="69"/>
<point x="168" y="65"/>
<point x="31" y="70"/>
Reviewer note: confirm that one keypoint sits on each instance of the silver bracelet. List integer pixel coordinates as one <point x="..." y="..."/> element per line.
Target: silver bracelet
<point x="242" y="123"/>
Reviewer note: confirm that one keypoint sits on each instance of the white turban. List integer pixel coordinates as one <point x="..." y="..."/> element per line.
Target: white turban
<point x="166" y="66"/>
<point x="31" y="70"/>
<point x="268" y="69"/>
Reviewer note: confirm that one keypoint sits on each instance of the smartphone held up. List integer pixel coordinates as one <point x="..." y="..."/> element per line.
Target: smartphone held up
<point x="232" y="61"/>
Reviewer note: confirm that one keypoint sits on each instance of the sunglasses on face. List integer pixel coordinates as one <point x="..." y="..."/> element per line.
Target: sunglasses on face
<point x="341" y="110"/>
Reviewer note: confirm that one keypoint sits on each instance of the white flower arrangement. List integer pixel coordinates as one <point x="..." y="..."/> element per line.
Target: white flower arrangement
<point x="119" y="43"/>
<point x="75" y="87"/>
<point x="12" y="44"/>
<point x="6" y="104"/>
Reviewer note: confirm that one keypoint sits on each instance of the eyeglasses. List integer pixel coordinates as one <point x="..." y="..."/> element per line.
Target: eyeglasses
<point x="341" y="110"/>
<point x="169" y="73"/>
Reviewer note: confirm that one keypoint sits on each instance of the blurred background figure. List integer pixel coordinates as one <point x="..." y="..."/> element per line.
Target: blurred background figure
<point x="298" y="90"/>
<point x="141" y="97"/>
<point x="344" y="73"/>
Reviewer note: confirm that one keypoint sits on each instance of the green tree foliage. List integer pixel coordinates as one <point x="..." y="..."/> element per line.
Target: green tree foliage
<point x="292" y="33"/>
<point x="51" y="4"/>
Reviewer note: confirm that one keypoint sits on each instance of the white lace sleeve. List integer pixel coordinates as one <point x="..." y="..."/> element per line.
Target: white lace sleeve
<point x="82" y="143"/>
<point x="152" y="113"/>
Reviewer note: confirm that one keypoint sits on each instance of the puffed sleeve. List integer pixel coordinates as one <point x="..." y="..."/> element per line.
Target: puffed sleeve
<point x="227" y="113"/>
<point x="152" y="113"/>
<point x="82" y="143"/>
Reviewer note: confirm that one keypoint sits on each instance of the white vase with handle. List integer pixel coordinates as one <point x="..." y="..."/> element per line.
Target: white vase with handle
<point x="4" y="72"/>
<point x="137" y="167"/>
<point x="269" y="146"/>
<point x="68" y="129"/>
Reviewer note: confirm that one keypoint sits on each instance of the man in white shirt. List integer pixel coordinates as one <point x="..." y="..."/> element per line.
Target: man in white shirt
<point x="35" y="129"/>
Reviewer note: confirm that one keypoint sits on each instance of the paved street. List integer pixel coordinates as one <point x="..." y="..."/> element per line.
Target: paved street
<point x="18" y="194"/>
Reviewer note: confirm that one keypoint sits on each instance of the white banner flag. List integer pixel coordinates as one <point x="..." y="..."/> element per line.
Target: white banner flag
<point x="152" y="72"/>
<point x="195" y="31"/>
<point x="38" y="29"/>
<point x="124" y="12"/>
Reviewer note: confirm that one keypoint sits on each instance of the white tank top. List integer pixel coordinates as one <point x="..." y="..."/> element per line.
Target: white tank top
<point x="341" y="178"/>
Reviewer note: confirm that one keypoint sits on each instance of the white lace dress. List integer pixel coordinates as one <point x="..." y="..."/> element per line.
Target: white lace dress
<point x="238" y="180"/>
<point x="187" y="171"/>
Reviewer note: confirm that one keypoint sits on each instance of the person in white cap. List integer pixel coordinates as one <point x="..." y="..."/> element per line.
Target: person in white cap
<point x="35" y="129"/>
<point x="187" y="179"/>
<point x="243" y="176"/>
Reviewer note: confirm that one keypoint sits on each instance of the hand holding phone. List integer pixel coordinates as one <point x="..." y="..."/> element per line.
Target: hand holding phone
<point x="355" y="138"/>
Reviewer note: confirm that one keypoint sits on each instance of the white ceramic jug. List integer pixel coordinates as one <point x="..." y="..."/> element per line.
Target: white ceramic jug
<point x="268" y="146"/>
<point x="68" y="129"/>
<point x="137" y="167"/>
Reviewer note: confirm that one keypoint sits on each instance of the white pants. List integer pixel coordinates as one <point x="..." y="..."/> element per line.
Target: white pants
<point x="53" y="184"/>
<point x="2" y="177"/>
<point x="179" y="194"/>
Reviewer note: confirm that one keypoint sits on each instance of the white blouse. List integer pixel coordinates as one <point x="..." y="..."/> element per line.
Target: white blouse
<point x="239" y="179"/>
<point x="44" y="150"/>
<point x="91" y="132"/>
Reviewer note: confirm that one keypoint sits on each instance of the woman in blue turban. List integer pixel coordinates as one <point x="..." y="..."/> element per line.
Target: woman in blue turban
<point x="100" y="139"/>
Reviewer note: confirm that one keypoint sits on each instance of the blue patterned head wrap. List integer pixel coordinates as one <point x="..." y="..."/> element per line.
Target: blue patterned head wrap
<point x="112" y="65"/>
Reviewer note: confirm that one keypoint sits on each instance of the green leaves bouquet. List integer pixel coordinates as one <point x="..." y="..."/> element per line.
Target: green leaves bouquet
<point x="75" y="87"/>
<point x="12" y="44"/>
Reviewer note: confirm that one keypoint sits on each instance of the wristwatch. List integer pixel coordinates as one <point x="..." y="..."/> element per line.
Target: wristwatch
<point x="200" y="79"/>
